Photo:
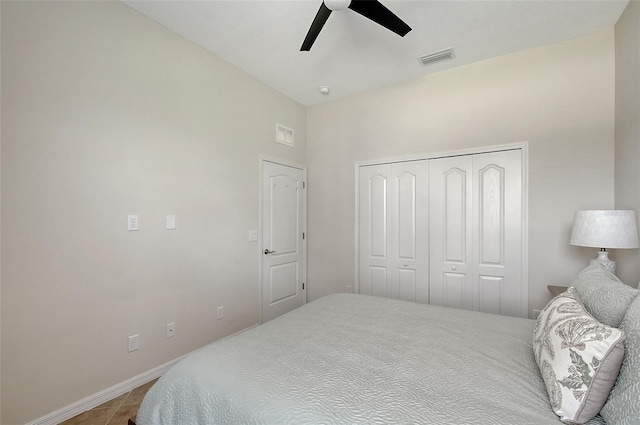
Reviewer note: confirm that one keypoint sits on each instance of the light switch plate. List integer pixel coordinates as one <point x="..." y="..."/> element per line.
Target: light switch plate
<point x="132" y="222"/>
<point x="171" y="222"/>
<point x="253" y="235"/>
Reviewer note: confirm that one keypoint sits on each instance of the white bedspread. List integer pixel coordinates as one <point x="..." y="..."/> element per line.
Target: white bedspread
<point x="354" y="359"/>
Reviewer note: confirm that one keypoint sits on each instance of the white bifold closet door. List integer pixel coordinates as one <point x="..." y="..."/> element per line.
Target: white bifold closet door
<point x="444" y="231"/>
<point x="393" y="246"/>
<point x="475" y="224"/>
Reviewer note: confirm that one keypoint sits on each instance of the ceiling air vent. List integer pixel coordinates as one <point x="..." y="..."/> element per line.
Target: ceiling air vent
<point x="437" y="57"/>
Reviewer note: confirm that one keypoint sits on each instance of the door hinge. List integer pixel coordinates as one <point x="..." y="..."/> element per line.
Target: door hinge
<point x="302" y="235"/>
<point x="304" y="185"/>
<point x="303" y="286"/>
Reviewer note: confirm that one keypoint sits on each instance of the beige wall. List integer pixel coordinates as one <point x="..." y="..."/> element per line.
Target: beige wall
<point x="559" y="98"/>
<point x="106" y="113"/>
<point x="627" y="129"/>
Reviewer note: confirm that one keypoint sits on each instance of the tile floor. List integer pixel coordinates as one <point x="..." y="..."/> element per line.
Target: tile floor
<point x="113" y="412"/>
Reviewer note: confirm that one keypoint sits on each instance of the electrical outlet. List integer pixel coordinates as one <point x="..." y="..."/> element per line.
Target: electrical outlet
<point x="133" y="342"/>
<point x="220" y="313"/>
<point x="349" y="289"/>
<point x="171" y="329"/>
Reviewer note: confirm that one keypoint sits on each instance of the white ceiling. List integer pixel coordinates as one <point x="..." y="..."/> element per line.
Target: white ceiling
<point x="353" y="54"/>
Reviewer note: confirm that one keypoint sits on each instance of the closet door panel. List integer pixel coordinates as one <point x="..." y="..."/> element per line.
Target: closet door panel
<point x="378" y="281"/>
<point x="407" y="285"/>
<point x="409" y="231"/>
<point x="450" y="232"/>
<point x="393" y="233"/>
<point x="491" y="185"/>
<point x="453" y="289"/>
<point x="406" y="214"/>
<point x="377" y="194"/>
<point x="454" y="210"/>
<point x="373" y="241"/>
<point x="490" y="294"/>
<point x="497" y="187"/>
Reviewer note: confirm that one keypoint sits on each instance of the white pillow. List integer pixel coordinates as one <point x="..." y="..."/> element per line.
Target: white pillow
<point x="579" y="357"/>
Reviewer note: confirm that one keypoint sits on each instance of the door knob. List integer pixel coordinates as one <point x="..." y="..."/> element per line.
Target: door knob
<point x="453" y="268"/>
<point x="266" y="251"/>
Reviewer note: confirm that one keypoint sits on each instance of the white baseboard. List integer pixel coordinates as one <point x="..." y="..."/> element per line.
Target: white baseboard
<point x="103" y="396"/>
<point x="117" y="390"/>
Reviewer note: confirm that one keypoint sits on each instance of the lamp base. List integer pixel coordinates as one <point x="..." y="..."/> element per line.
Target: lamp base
<point x="603" y="258"/>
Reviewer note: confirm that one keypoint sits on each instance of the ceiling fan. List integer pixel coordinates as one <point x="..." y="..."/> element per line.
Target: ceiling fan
<point x="371" y="9"/>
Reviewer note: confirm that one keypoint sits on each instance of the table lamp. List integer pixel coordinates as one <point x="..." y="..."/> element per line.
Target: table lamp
<point x="614" y="229"/>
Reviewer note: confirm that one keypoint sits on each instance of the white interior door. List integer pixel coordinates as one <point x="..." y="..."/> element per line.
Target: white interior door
<point x="283" y="256"/>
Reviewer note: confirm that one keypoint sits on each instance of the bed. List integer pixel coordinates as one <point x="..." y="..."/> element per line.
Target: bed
<point x="356" y="359"/>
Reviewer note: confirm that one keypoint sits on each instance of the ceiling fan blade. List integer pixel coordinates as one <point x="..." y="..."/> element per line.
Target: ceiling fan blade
<point x="316" y="26"/>
<point x="377" y="12"/>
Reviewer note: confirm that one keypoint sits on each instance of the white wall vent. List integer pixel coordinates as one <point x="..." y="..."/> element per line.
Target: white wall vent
<point x="437" y="57"/>
<point x="284" y="135"/>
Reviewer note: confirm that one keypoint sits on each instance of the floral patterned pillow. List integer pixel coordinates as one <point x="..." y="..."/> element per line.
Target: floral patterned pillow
<point x="579" y="358"/>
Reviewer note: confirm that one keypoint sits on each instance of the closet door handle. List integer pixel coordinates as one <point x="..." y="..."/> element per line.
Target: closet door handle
<point x="267" y="252"/>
